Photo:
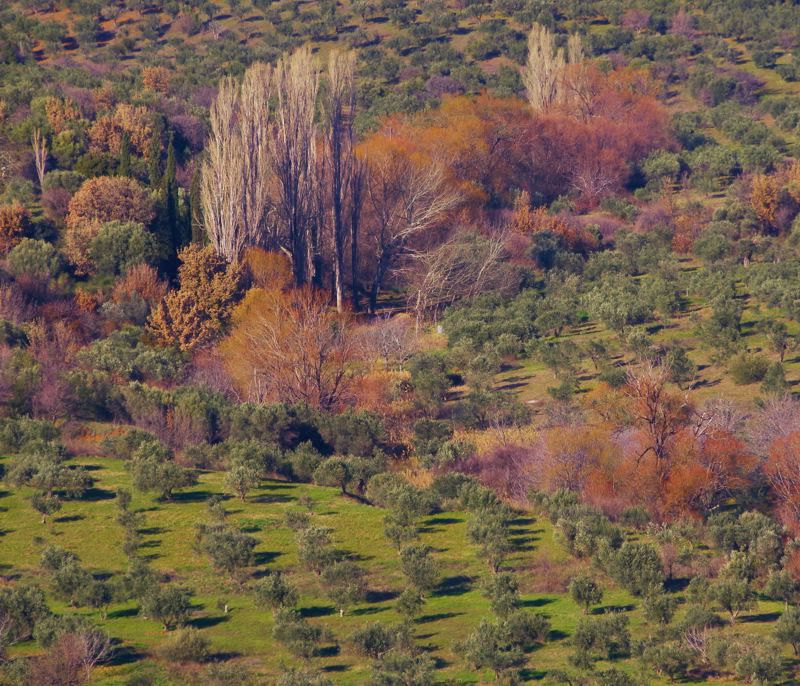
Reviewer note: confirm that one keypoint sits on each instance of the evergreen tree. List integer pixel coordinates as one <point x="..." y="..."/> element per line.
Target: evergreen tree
<point x="124" y="168"/>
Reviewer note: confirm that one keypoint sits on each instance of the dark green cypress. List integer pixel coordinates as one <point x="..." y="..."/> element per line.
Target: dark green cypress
<point x="124" y="167"/>
<point x="154" y="162"/>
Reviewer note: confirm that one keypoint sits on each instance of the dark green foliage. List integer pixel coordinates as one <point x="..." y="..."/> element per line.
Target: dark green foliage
<point x="169" y="604"/>
<point x="294" y="632"/>
<point x="373" y="640"/>
<point x="420" y="567"/>
<point x="121" y="245"/>
<point x="231" y="551"/>
<point x="606" y="637"/>
<point x="585" y="592"/>
<point x="636" y="567"/>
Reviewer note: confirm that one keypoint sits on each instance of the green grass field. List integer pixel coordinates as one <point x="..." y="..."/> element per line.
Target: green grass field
<point x="88" y="528"/>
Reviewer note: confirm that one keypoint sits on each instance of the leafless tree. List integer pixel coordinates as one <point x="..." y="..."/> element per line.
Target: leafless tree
<point x="405" y="199"/>
<point x="222" y="189"/>
<point x="237" y="171"/>
<point x="298" y="349"/>
<point x="71" y="659"/>
<point x="546" y="71"/>
<point x="39" y="155"/>
<point x="778" y="418"/>
<point x="340" y="160"/>
<point x="254" y="130"/>
<point x="542" y="72"/>
<point x="392" y="338"/>
<point x="455" y="270"/>
<point x="294" y="156"/>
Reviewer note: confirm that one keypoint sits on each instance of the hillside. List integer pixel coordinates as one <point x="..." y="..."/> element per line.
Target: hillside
<point x="399" y="342"/>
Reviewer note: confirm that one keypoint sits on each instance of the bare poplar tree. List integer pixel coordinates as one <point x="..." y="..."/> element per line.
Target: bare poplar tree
<point x="357" y="186"/>
<point x="294" y="156"/>
<point x="254" y="129"/>
<point x="235" y="189"/>
<point x="339" y="107"/>
<point x="222" y="184"/>
<point x="39" y="155"/>
<point x="544" y="74"/>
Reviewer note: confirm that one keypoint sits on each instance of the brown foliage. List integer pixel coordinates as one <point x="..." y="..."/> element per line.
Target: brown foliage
<point x="14" y="223"/>
<point x="105" y="134"/>
<point x="765" y="198"/>
<point x="70" y="660"/>
<point x="782" y="470"/>
<point x="268" y="270"/>
<point x="61" y="113"/>
<point x="292" y="346"/>
<point x="196" y="314"/>
<point x="157" y="79"/>
<point x="706" y="473"/>
<point x="530" y="221"/>
<point x="142" y="281"/>
<point x="100" y="200"/>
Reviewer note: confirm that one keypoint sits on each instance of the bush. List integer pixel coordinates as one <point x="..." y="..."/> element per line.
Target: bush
<point x="186" y="645"/>
<point x="748" y="369"/>
<point x="119" y="245"/>
<point x="34" y="258"/>
<point x="637" y="567"/>
<point x="373" y="640"/>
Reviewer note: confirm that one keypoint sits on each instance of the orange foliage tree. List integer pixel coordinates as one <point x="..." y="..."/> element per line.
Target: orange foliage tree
<point x="706" y="472"/>
<point x="765" y="198"/>
<point x="408" y="194"/>
<point x="292" y="346"/>
<point x="782" y="470"/>
<point x="196" y="314"/>
<point x="98" y="201"/>
<point x="14" y="223"/>
<point x="528" y="221"/>
<point x="137" y="121"/>
<point x="157" y="79"/>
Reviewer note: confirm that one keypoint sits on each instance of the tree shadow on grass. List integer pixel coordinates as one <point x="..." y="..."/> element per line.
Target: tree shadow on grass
<point x="329" y="651"/>
<point x="760" y="618"/>
<point x="124" y="613"/>
<point x="190" y="496"/>
<point x="444" y="520"/>
<point x="69" y="518"/>
<point x="381" y="596"/>
<point x="427" y="619"/>
<point x="536" y="602"/>
<point x="124" y="655"/>
<point x="153" y="530"/>
<point x="269" y="498"/>
<point x="454" y="585"/>
<point x="264" y="557"/>
<point x="317" y="611"/>
<point x="97" y="494"/>
<point x="208" y="621"/>
<point x="336" y="668"/>
<point x="225" y="656"/>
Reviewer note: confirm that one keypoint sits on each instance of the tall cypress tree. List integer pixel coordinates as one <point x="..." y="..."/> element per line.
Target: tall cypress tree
<point x="174" y="230"/>
<point x="124" y="167"/>
<point x="154" y="162"/>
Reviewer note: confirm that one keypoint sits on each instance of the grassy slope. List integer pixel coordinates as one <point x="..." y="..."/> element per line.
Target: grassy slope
<point x="89" y="529"/>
